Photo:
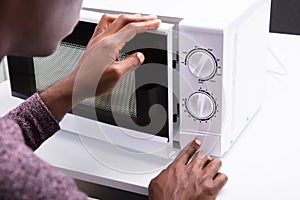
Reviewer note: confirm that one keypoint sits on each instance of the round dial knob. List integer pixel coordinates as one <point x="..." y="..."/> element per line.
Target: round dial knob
<point x="202" y="64"/>
<point x="201" y="105"/>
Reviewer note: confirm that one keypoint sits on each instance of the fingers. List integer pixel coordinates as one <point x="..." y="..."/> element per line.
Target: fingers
<point x="141" y="26"/>
<point x="124" y="19"/>
<point x="117" y="70"/>
<point x="220" y="180"/>
<point x="104" y="23"/>
<point x="125" y="27"/>
<point x="186" y="154"/>
<point x="120" y="29"/>
<point x="118" y="21"/>
<point x="201" y="159"/>
<point x="213" y="167"/>
<point x="131" y="62"/>
<point x="130" y="30"/>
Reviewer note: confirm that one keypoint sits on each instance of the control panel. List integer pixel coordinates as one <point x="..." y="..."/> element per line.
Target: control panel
<point x="203" y="65"/>
<point x="201" y="89"/>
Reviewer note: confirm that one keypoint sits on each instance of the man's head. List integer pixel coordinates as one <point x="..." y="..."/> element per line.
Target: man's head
<point x="35" y="27"/>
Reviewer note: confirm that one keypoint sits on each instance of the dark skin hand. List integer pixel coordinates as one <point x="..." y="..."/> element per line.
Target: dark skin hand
<point x="188" y="177"/>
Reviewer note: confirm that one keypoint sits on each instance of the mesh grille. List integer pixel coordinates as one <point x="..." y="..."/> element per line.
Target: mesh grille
<point x="50" y="69"/>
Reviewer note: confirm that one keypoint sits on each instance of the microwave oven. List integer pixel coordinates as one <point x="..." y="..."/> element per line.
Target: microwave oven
<point x="203" y="76"/>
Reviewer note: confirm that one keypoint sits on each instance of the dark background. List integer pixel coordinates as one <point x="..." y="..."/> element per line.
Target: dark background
<point x="285" y="16"/>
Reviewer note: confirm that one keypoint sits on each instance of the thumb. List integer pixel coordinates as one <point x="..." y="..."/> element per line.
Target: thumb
<point x="132" y="61"/>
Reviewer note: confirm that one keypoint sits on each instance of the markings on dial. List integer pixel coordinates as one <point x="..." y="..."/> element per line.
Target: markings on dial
<point x="201" y="106"/>
<point x="202" y="63"/>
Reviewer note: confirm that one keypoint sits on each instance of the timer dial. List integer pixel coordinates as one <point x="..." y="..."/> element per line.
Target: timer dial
<point x="201" y="105"/>
<point x="202" y="64"/>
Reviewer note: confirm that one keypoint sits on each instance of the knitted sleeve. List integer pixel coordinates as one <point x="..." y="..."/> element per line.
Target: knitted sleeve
<point x="22" y="174"/>
<point x="35" y="120"/>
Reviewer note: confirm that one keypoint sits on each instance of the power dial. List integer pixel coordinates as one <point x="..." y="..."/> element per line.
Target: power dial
<point x="202" y="64"/>
<point x="201" y="105"/>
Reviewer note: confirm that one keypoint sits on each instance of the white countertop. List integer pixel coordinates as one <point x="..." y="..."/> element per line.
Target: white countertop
<point x="264" y="163"/>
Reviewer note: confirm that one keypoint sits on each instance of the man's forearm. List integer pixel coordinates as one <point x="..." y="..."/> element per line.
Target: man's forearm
<point x="59" y="98"/>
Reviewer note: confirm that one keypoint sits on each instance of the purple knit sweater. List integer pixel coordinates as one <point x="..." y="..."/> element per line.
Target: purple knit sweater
<point x="22" y="174"/>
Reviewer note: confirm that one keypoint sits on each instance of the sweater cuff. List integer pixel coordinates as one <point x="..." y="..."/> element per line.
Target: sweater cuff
<point x="49" y="119"/>
<point x="35" y="120"/>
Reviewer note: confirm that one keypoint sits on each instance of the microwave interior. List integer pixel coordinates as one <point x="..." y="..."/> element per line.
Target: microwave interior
<point x="133" y="96"/>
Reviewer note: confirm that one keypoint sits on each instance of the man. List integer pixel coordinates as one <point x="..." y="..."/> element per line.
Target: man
<point x="35" y="28"/>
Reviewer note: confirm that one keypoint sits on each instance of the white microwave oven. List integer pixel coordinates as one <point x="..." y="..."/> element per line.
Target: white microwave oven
<point x="203" y="75"/>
